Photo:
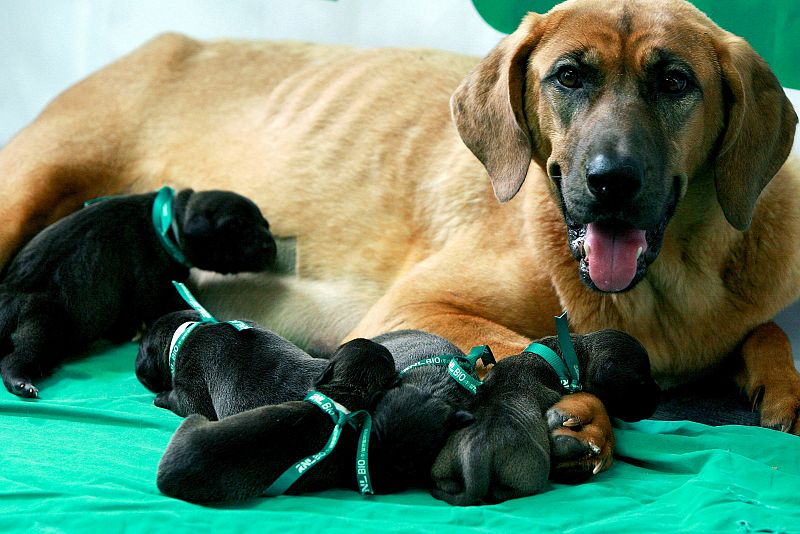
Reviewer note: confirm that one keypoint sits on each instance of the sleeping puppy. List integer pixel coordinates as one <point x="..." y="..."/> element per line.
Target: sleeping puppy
<point x="104" y="270"/>
<point x="506" y="453"/>
<point x="220" y="371"/>
<point x="412" y="422"/>
<point x="242" y="455"/>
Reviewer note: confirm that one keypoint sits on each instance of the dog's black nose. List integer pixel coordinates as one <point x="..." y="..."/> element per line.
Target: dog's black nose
<point x="613" y="178"/>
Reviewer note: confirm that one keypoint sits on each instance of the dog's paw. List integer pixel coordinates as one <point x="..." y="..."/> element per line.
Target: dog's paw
<point x="779" y="405"/>
<point x="581" y="438"/>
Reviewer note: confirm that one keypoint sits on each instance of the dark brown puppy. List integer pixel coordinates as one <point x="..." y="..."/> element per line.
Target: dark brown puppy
<point x="506" y="453"/>
<point x="242" y="455"/>
<point x="103" y="271"/>
<point x="220" y="371"/>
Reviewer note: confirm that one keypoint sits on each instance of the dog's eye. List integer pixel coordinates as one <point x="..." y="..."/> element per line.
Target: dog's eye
<point x="569" y="78"/>
<point x="673" y="83"/>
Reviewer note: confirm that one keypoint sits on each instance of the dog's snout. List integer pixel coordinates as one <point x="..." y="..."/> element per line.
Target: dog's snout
<point x="613" y="178"/>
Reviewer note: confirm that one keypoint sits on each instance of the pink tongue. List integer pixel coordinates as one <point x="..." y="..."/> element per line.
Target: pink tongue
<point x="612" y="255"/>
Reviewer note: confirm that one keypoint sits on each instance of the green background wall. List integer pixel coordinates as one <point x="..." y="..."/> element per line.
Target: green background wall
<point x="771" y="26"/>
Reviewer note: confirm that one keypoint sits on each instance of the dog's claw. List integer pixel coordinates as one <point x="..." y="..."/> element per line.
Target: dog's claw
<point x="572" y="422"/>
<point x="581" y="441"/>
<point x="598" y="467"/>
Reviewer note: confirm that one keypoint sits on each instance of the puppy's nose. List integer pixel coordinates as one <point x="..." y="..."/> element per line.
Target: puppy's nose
<point x="613" y="178"/>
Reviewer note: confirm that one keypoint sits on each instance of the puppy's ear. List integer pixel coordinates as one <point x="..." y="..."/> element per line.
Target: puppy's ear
<point x="488" y="109"/>
<point x="759" y="130"/>
<point x="326" y="376"/>
<point x="460" y="419"/>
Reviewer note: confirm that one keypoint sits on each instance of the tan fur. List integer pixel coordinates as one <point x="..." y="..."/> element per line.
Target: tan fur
<point x="353" y="152"/>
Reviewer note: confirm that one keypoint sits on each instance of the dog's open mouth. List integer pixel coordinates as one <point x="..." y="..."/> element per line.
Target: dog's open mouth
<point x="613" y="251"/>
<point x="613" y="256"/>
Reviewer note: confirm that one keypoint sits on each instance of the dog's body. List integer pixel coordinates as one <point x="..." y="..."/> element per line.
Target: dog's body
<point x="102" y="272"/>
<point x="242" y="455"/>
<point x="353" y="153"/>
<point x="506" y="452"/>
<point x="220" y="371"/>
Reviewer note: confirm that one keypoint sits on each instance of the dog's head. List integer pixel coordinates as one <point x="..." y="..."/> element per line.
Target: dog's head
<point x="152" y="361"/>
<point x="223" y="232"/>
<point x="358" y="371"/>
<point x="626" y="104"/>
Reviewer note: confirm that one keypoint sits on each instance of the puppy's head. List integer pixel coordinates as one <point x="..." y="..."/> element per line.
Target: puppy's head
<point x="410" y="427"/>
<point x="618" y="372"/>
<point x="152" y="361"/>
<point x="223" y="232"/>
<point x="357" y="371"/>
<point x="628" y="107"/>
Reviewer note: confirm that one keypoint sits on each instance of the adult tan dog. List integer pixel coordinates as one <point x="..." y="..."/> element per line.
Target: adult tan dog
<point x="650" y="139"/>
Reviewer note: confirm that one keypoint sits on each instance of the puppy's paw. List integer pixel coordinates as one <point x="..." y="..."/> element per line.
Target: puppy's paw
<point x="581" y="438"/>
<point x="163" y="400"/>
<point x="24" y="388"/>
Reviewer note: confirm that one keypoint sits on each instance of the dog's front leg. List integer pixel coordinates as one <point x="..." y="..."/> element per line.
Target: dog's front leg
<point x="460" y="327"/>
<point x="769" y="377"/>
<point x="47" y="172"/>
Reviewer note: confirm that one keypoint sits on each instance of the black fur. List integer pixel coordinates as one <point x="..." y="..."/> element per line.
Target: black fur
<point x="412" y="422"/>
<point x="242" y="455"/>
<point x="506" y="453"/>
<point x="102" y="271"/>
<point x="221" y="371"/>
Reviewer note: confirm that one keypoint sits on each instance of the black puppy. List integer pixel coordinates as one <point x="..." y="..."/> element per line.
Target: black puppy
<point x="220" y="371"/>
<point x="412" y="422"/>
<point x="506" y="453"/>
<point x="242" y="455"/>
<point x="102" y="271"/>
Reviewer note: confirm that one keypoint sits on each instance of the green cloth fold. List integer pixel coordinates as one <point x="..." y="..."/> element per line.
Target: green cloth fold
<point x="83" y="458"/>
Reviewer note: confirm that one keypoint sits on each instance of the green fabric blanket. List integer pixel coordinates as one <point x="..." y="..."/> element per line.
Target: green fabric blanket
<point x="84" y="457"/>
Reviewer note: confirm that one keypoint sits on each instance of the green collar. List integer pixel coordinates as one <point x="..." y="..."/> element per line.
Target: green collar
<point x="183" y="331"/>
<point x="460" y="368"/>
<point x="163" y="222"/>
<point x="340" y="416"/>
<point x="567" y="367"/>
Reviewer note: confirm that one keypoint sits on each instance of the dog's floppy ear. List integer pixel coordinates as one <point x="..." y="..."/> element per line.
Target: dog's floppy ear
<point x="488" y="109"/>
<point x="758" y="133"/>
